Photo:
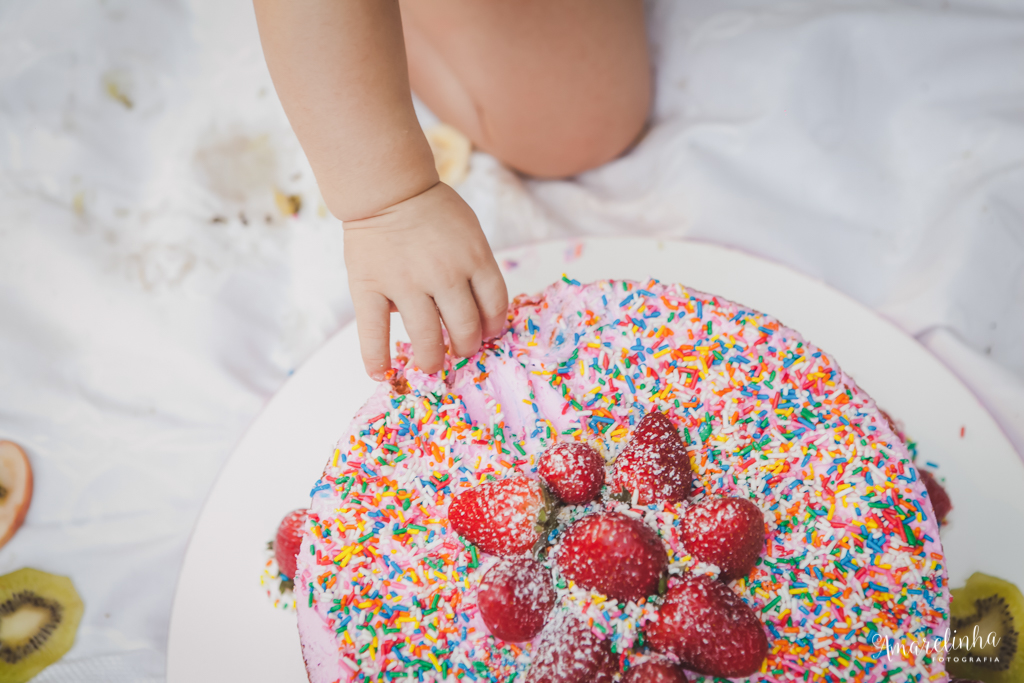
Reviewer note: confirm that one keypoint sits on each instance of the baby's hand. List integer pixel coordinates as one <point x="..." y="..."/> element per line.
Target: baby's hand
<point x="427" y="258"/>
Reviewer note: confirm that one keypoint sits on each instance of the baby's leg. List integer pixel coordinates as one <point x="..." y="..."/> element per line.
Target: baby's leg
<point x="550" y="87"/>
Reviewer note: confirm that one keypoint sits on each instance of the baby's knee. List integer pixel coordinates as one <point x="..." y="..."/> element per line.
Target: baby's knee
<point x="567" y="139"/>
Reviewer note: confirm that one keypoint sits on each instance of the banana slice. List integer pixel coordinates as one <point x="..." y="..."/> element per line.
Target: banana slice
<point x="451" y="153"/>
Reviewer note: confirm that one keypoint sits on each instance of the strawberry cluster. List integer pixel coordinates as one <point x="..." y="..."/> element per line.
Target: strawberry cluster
<point x="702" y="624"/>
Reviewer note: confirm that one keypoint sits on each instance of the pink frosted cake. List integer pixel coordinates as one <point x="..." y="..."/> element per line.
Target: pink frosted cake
<point x="849" y="557"/>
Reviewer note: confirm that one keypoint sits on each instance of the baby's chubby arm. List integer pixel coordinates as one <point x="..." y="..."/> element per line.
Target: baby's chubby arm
<point x="411" y="243"/>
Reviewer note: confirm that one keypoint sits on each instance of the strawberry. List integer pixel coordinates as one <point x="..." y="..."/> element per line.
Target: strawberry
<point x="709" y="628"/>
<point x="515" y="598"/>
<point x="657" y="669"/>
<point x="288" y="541"/>
<point x="654" y="463"/>
<point x="614" y="554"/>
<point x="941" y="503"/>
<point x="728" y="532"/>
<point x="569" y="652"/>
<point x="504" y="517"/>
<point x="573" y="471"/>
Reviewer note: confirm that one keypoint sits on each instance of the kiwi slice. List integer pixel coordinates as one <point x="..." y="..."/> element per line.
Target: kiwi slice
<point x="986" y="618"/>
<point x="39" y="615"/>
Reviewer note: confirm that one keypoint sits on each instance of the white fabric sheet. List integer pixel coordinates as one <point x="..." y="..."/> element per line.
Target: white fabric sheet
<point x="152" y="297"/>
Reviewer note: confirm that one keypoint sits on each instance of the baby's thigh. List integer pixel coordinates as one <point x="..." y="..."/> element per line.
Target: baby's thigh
<point x="550" y="87"/>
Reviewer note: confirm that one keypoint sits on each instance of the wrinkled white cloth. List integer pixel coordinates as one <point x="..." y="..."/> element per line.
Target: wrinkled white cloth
<point x="152" y="295"/>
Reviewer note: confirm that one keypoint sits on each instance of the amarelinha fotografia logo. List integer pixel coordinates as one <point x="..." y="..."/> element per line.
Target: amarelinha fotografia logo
<point x="956" y="647"/>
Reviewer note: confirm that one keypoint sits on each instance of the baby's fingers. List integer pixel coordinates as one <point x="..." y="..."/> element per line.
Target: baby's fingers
<point x="491" y="299"/>
<point x="424" y="327"/>
<point x="373" y="320"/>
<point x="461" y="319"/>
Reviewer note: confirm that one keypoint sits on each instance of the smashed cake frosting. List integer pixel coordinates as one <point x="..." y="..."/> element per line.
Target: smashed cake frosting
<point x="386" y="591"/>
